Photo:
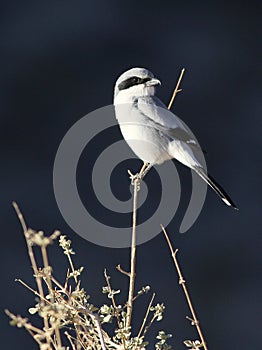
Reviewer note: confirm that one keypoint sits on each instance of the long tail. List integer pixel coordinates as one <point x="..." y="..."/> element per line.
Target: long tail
<point x="215" y="186"/>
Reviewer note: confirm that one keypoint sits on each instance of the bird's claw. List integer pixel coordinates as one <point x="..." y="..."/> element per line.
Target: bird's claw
<point x="135" y="179"/>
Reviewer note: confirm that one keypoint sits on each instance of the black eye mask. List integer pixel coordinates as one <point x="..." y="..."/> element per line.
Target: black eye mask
<point x="132" y="82"/>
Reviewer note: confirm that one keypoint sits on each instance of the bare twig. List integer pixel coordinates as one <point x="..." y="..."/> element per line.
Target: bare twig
<point x="149" y="324"/>
<point x="133" y="257"/>
<point x="119" y="268"/>
<point x="176" y="90"/>
<point x="32" y="290"/>
<point x="146" y="316"/>
<point x="69" y="337"/>
<point x="195" y="321"/>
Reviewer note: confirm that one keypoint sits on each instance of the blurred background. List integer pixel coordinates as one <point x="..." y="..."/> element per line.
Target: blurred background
<point x="59" y="61"/>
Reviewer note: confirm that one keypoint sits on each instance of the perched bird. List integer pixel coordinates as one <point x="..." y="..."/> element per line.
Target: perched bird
<point x="153" y="132"/>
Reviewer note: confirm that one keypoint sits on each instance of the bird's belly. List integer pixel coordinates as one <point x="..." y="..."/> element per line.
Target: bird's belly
<point x="146" y="143"/>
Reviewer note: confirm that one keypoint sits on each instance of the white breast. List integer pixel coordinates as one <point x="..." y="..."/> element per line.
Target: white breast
<point x="145" y="140"/>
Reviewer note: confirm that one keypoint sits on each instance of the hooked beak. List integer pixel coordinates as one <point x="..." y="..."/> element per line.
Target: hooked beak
<point x="153" y="82"/>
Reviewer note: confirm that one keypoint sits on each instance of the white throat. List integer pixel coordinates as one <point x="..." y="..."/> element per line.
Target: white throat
<point x="133" y="93"/>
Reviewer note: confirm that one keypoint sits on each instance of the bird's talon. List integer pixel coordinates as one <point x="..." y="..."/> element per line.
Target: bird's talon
<point x="135" y="178"/>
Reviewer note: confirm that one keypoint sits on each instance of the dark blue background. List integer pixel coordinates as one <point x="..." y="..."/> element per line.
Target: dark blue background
<point x="59" y="61"/>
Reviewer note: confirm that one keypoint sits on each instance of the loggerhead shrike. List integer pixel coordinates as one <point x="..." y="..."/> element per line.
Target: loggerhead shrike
<point x="153" y="132"/>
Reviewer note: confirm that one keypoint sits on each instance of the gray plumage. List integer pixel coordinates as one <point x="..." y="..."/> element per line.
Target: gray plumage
<point x="153" y="132"/>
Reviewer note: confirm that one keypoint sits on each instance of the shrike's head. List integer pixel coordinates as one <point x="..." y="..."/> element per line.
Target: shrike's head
<point x="135" y="82"/>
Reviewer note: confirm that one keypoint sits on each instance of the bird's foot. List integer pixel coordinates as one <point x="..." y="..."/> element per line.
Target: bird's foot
<point x="135" y="179"/>
<point x="138" y="178"/>
<point x="145" y="169"/>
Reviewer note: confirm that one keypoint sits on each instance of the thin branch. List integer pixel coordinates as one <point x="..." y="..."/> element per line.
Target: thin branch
<point x="113" y="298"/>
<point x="33" y="262"/>
<point x="149" y="324"/>
<point x="119" y="268"/>
<point x="95" y="318"/>
<point x="79" y="341"/>
<point x="69" y="337"/>
<point x="133" y="257"/>
<point x="48" y="270"/>
<point x="32" y="290"/>
<point x="23" y="323"/>
<point x="72" y="267"/>
<point x="99" y="330"/>
<point x="176" y="90"/>
<point x="146" y="316"/>
<point x="195" y="321"/>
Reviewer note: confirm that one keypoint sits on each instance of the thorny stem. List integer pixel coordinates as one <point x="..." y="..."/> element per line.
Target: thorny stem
<point x="33" y="263"/>
<point x="176" y="90"/>
<point x="195" y="321"/>
<point x="133" y="258"/>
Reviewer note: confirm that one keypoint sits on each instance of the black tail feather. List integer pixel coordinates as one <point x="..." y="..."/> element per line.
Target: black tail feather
<point x="216" y="187"/>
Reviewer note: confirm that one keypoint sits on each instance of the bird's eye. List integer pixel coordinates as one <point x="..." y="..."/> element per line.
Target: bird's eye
<point x="130" y="82"/>
<point x="136" y="80"/>
<point x="146" y="79"/>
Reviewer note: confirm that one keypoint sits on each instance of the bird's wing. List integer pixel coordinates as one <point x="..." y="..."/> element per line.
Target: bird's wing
<point x="168" y="123"/>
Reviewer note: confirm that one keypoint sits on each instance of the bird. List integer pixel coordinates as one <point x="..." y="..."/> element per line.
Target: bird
<point x="152" y="131"/>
